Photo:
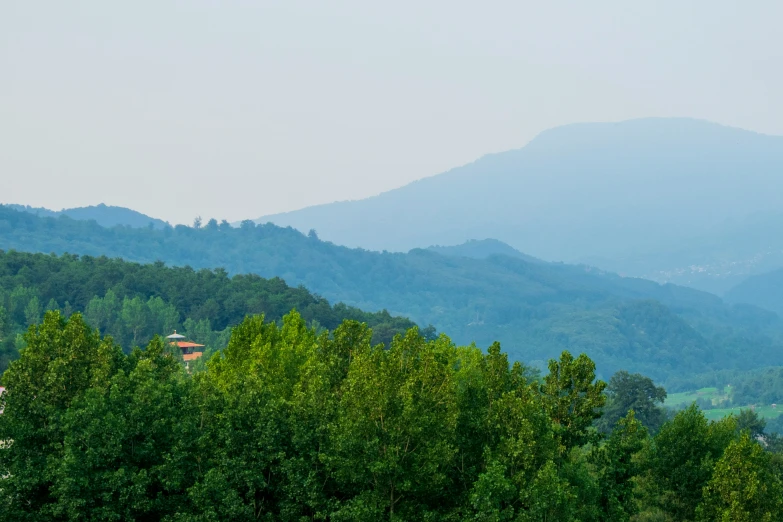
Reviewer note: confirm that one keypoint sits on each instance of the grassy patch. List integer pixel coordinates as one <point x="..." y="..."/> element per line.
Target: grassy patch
<point x="713" y="395"/>
<point x="766" y="412"/>
<point x="716" y="397"/>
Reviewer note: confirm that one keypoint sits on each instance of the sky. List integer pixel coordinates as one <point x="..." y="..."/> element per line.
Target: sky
<point x="239" y="109"/>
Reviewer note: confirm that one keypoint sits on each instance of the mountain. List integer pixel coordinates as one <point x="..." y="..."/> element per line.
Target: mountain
<point x="670" y="199"/>
<point x="763" y="290"/>
<point x="482" y="249"/>
<point x="534" y="309"/>
<point x="104" y="215"/>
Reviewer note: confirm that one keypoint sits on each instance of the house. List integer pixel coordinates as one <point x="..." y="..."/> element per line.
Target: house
<point x="188" y="348"/>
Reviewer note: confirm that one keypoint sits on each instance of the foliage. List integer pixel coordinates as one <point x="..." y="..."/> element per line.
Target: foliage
<point x="535" y="309"/>
<point x="572" y="399"/>
<point x="745" y="486"/>
<point x="133" y="302"/>
<point x="290" y="422"/>
<point x="633" y="392"/>
<point x="749" y="420"/>
<point x="680" y="461"/>
<point x="618" y="466"/>
<point x="760" y="389"/>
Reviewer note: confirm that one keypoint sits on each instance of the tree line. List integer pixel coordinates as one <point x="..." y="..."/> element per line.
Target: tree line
<point x="133" y="302"/>
<point x="535" y="309"/>
<point x="757" y="386"/>
<point x="290" y="422"/>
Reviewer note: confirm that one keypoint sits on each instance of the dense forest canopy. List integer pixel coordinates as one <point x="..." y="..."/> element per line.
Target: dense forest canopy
<point x="289" y="424"/>
<point x="133" y="302"/>
<point x="535" y="309"/>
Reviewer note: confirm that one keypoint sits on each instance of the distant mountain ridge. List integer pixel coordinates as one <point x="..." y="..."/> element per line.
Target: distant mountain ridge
<point x="105" y="215"/>
<point x="633" y="197"/>
<point x="762" y="290"/>
<point x="534" y="309"/>
<point x="482" y="249"/>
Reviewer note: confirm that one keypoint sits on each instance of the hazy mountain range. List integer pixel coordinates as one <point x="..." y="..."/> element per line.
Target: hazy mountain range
<point x="675" y="200"/>
<point x="535" y="309"/>
<point x="104" y="215"/>
<point x="670" y="200"/>
<point x="763" y="290"/>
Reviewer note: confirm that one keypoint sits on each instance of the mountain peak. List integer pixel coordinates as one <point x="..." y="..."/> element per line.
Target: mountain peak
<point x="481" y="249"/>
<point x="603" y="190"/>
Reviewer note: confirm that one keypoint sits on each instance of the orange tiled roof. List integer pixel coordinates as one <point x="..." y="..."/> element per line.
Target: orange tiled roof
<point x="187" y="344"/>
<point x="192" y="356"/>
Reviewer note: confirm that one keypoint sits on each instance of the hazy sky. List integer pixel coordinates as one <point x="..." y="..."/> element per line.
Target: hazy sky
<point x="234" y="109"/>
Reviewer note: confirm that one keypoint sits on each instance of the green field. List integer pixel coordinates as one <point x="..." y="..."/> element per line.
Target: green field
<point x="766" y="412"/>
<point x="713" y="395"/>
<point x="716" y="397"/>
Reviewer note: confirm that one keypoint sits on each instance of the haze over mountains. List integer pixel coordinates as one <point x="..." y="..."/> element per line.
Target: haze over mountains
<point x="672" y="200"/>
<point x="763" y="290"/>
<point x="481" y="249"/>
<point x="104" y="215"/>
<point x="534" y="309"/>
<point x="678" y="200"/>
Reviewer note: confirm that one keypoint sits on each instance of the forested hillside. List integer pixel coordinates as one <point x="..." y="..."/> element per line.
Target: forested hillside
<point x="481" y="249"/>
<point x="757" y="386"/>
<point x="104" y="215"/>
<point x="134" y="302"/>
<point x="535" y="310"/>
<point x="287" y="424"/>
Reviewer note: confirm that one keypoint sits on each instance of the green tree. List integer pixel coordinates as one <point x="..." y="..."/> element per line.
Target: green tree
<point x="164" y="315"/>
<point x="7" y="338"/>
<point x="62" y="359"/>
<point x="32" y="312"/>
<point x="18" y="301"/>
<point x="291" y="422"/>
<point x="636" y="392"/>
<point x="101" y="313"/>
<point x="618" y="465"/>
<point x="572" y="398"/>
<point x="395" y="433"/>
<point x="52" y="305"/>
<point x="199" y="331"/>
<point x="262" y="433"/>
<point x="744" y="486"/>
<point x="135" y="318"/>
<point x="510" y="440"/>
<point x="6" y="326"/>
<point x="681" y="459"/>
<point x="749" y="420"/>
<point x="127" y="451"/>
